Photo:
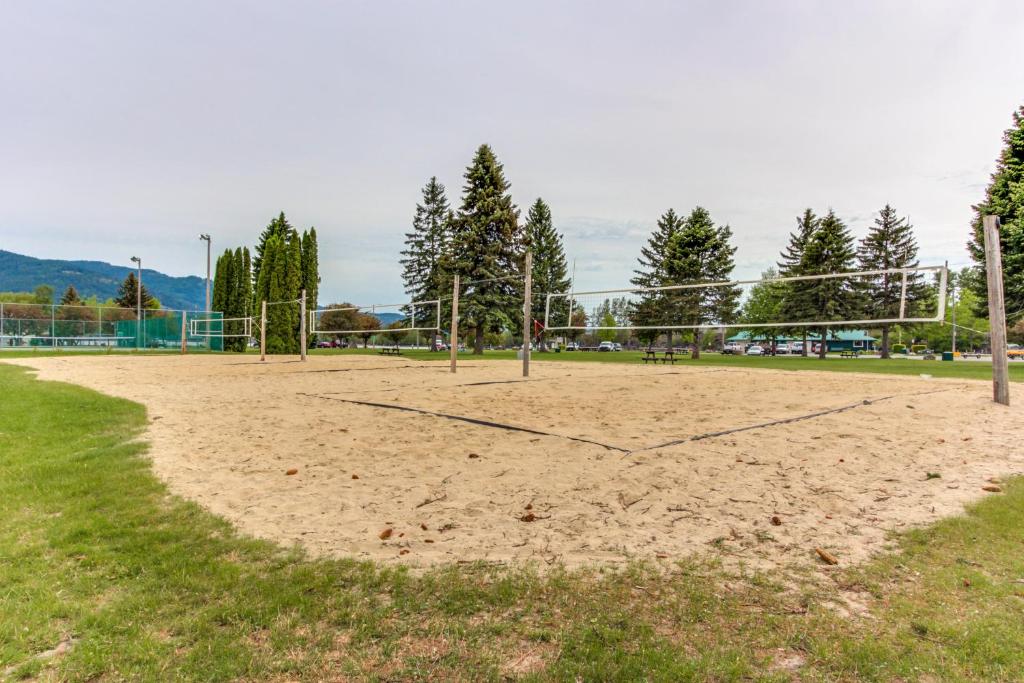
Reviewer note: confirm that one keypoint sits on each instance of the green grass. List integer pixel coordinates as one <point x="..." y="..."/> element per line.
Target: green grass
<point x="148" y="587"/>
<point x="893" y="366"/>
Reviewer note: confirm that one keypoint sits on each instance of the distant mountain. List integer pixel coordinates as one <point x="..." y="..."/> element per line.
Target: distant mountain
<point x="95" y="278"/>
<point x="386" y="318"/>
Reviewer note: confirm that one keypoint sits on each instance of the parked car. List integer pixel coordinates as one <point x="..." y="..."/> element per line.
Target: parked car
<point x="796" y="348"/>
<point x="732" y="348"/>
<point x="606" y="346"/>
<point x="618" y="346"/>
<point x="572" y="346"/>
<point x="755" y="350"/>
<point x="782" y="349"/>
<point x="1014" y="351"/>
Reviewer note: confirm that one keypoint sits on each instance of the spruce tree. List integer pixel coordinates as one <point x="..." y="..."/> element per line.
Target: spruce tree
<point x="830" y="250"/>
<point x="70" y="297"/>
<point x="701" y="252"/>
<point x="890" y="243"/>
<point x="278" y="226"/>
<point x="796" y="303"/>
<point x="487" y="245"/>
<point x="550" y="270"/>
<point x="425" y="245"/>
<point x="1004" y="197"/>
<point x="652" y="309"/>
<point x="127" y="293"/>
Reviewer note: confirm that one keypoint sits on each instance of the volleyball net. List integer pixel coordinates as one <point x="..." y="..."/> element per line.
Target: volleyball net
<point x="848" y="299"/>
<point x="394" y="319"/>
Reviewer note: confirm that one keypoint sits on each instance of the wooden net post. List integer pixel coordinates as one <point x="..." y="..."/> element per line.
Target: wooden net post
<point x="996" y="312"/>
<point x="184" y="335"/>
<point x="302" y="326"/>
<point x="263" y="330"/>
<point x="527" y="313"/>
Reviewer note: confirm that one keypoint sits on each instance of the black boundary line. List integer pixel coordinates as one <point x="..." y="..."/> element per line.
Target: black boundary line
<point x="388" y="367"/>
<point x="470" y="420"/>
<point x="552" y="379"/>
<point x="788" y="420"/>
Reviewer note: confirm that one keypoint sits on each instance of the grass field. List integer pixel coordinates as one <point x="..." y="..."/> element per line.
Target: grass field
<point x="125" y="581"/>
<point x="893" y="366"/>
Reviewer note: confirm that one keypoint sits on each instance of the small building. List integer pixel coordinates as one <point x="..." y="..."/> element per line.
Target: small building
<point x="838" y="340"/>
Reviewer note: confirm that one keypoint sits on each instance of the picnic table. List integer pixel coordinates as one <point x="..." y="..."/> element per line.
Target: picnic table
<point x="849" y="354"/>
<point x="651" y="356"/>
<point x="390" y="351"/>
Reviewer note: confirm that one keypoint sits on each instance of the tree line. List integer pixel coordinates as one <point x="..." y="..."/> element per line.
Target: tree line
<point x="483" y="242"/>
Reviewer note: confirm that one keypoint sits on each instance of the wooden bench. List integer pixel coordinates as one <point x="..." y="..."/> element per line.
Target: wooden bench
<point x="849" y="354"/>
<point x="390" y="351"/>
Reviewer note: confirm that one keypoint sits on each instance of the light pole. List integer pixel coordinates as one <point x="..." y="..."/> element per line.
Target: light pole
<point x="954" y="317"/>
<point x="206" y="237"/>
<point x="138" y="302"/>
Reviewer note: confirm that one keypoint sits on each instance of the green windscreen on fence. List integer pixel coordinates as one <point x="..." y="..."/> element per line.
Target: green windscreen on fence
<point x="162" y="330"/>
<point x="31" y="325"/>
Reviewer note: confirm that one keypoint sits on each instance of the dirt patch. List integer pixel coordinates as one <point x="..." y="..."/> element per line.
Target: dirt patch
<point x="760" y="466"/>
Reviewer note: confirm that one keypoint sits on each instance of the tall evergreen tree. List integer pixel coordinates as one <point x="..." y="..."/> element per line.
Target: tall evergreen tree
<point x="238" y="301"/>
<point x="701" y="252"/>
<point x="425" y="245"/>
<point x="830" y="250"/>
<point x="222" y="283"/>
<point x="550" y="270"/>
<point x="70" y="297"/>
<point x="274" y="272"/>
<point x="796" y="304"/>
<point x="127" y="294"/>
<point x="652" y="309"/>
<point x="890" y="243"/>
<point x="310" y="270"/>
<point x="293" y="287"/>
<point x="278" y="226"/>
<point x="1004" y="197"/>
<point x="486" y="245"/>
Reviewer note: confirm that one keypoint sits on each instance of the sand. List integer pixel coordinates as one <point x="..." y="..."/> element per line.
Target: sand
<point x="616" y="473"/>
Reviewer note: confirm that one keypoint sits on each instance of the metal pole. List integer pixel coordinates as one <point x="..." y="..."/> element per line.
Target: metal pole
<point x="263" y="330"/>
<point x="138" y="303"/>
<point x="996" y="312"/>
<point x="206" y="238"/>
<point x="207" y="272"/>
<point x="954" y="318"/>
<point x="454" y="336"/>
<point x="1" y="323"/>
<point x="302" y="325"/>
<point x="184" y="335"/>
<point x="527" y="313"/>
<point x="53" y="327"/>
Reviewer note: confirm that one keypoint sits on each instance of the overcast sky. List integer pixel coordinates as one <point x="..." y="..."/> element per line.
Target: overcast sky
<point x="130" y="127"/>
